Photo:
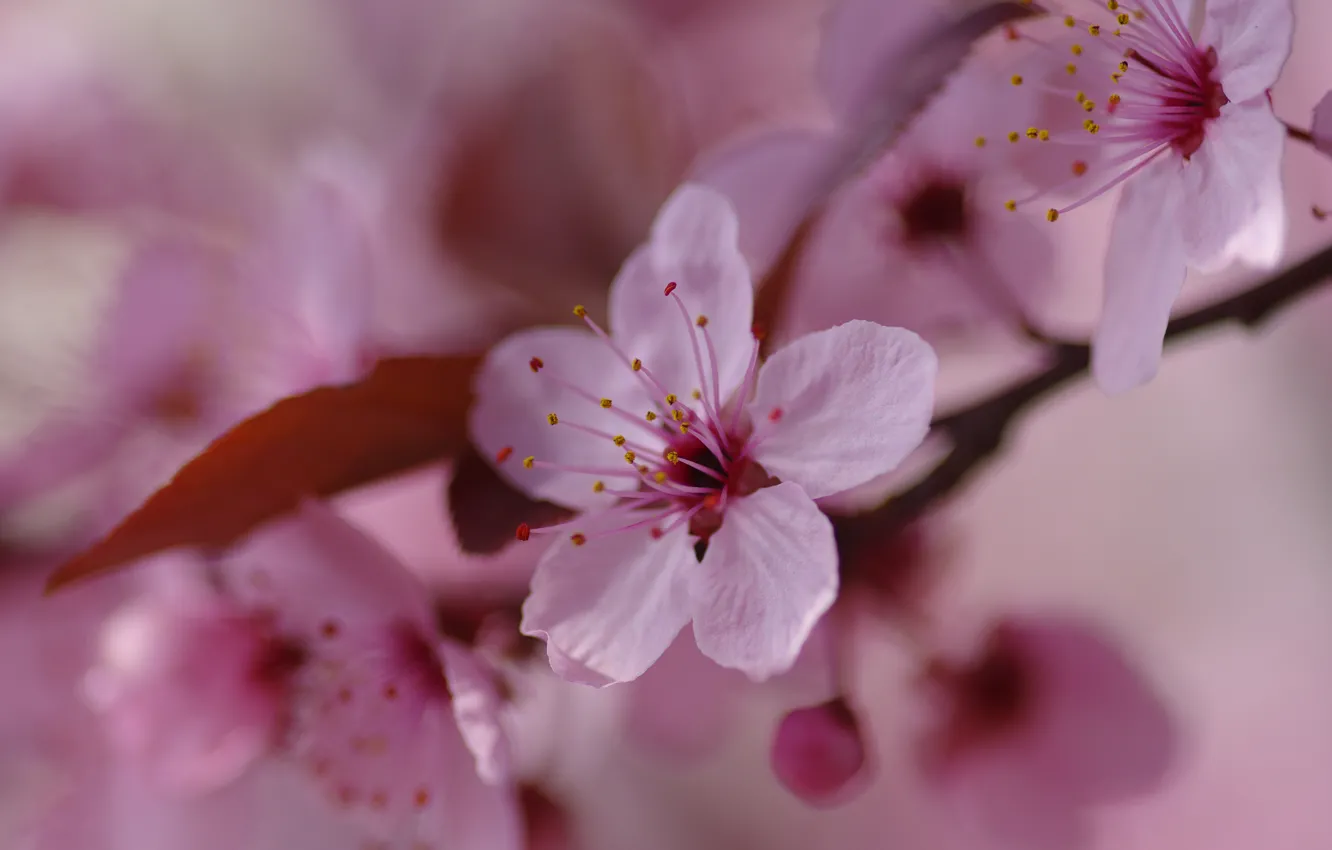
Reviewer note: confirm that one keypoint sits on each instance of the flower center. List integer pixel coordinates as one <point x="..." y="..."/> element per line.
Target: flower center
<point x="685" y="458"/>
<point x="1141" y="87"/>
<point x="936" y="212"/>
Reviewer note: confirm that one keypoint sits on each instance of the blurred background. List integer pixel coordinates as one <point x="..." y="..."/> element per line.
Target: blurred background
<point x="423" y="175"/>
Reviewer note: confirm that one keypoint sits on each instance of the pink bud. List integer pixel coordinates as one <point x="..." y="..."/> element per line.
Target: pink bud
<point x="819" y="752"/>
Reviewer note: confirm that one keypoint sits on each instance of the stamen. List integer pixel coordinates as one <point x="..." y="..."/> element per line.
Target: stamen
<point x="698" y="355"/>
<point x="504" y="454"/>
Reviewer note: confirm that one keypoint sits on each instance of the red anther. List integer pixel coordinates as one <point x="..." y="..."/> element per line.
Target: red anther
<point x="656" y="533"/>
<point x="670" y="287"/>
<point x="536" y="363"/>
<point x="711" y="501"/>
<point x="775" y="415"/>
<point x="1010" y="32"/>
<point x="503" y="454"/>
<point x="760" y="333"/>
<point x="524" y="531"/>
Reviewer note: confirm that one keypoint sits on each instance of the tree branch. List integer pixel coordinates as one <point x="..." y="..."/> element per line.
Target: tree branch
<point x="980" y="430"/>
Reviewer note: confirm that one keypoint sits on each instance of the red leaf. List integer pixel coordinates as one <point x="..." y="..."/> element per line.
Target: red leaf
<point x="408" y="412"/>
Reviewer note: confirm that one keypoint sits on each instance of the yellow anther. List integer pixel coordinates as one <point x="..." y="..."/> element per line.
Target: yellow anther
<point x="1071" y="69"/>
<point x="701" y="321"/>
<point x="1011" y="206"/>
<point x="1033" y="132"/>
<point x="1114" y="99"/>
<point x="1112" y="5"/>
<point x="1082" y="96"/>
<point x="598" y="486"/>
<point x="580" y="311"/>
<point x="1088" y="124"/>
<point x="1139" y="14"/>
<point x="677" y="414"/>
<point x="618" y="440"/>
<point x="1123" y="67"/>
<point x="1044" y="135"/>
<point x="1076" y="49"/>
<point x="672" y="398"/>
<point x="697" y="394"/>
<point x="1115" y="77"/>
<point x="630" y="457"/>
<point x="1094" y="29"/>
<point x="673" y="456"/>
<point x="577" y="538"/>
<point x="1014" y="136"/>
<point x="1070" y="21"/>
<point x="659" y="477"/>
<point x="684" y="427"/>
<point x="1052" y="214"/>
<point x="1088" y="105"/>
<point x="1122" y="18"/>
<point x="1016" y="79"/>
<point x="528" y="461"/>
<point x="1094" y="128"/>
<point x="650" y="416"/>
<point x="606" y="403"/>
<point x="637" y="365"/>
<point x="980" y="141"/>
<point x="552" y="419"/>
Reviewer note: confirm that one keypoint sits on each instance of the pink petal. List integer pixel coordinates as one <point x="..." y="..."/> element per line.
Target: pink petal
<point x="768" y="575"/>
<point x="610" y="608"/>
<point x="819" y="753"/>
<point x="840" y="407"/>
<point x="1144" y="271"/>
<point x="773" y="179"/>
<point x="477" y="704"/>
<point x="1222" y="182"/>
<point x="1322" y="124"/>
<point x="693" y="245"/>
<point x="1262" y="243"/>
<point x="513" y="401"/>
<point x="1252" y="40"/>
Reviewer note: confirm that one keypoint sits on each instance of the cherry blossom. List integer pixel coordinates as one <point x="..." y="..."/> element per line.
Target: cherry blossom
<point x="696" y="465"/>
<point x="1184" y="123"/>
<point x="820" y="753"/>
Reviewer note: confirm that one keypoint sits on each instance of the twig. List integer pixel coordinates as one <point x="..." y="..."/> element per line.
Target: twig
<point x="979" y="431"/>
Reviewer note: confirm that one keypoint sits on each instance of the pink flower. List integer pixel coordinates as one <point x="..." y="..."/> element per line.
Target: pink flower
<point x="1322" y="124"/>
<point x="820" y="754"/>
<point x="697" y="470"/>
<point x="1048" y="720"/>
<point x="1186" y="126"/>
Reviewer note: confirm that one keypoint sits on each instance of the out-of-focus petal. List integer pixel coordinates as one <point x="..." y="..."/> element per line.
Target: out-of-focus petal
<point x="837" y="408"/>
<point x="768" y="575"/>
<point x="1322" y="124"/>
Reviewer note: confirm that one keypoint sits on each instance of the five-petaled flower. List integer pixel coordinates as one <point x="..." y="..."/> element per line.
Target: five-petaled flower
<point x="696" y="467"/>
<point x="1186" y="126"/>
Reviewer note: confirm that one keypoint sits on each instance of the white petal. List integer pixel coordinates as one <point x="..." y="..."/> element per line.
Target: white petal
<point x="513" y="402"/>
<point x="769" y="574"/>
<point x="611" y="606"/>
<point x="1223" y="181"/>
<point x="477" y="705"/>
<point x="1262" y="243"/>
<point x="837" y="408"/>
<point x="693" y="245"/>
<point x="1252" y="40"/>
<point x="1144" y="270"/>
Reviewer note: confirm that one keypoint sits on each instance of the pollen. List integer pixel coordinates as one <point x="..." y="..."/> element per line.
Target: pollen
<point x="1052" y="214"/>
<point x="1079" y="167"/>
<point x="650" y="416"/>
<point x="1016" y="80"/>
<point x="524" y="531"/>
<point x="980" y="141"/>
<point x="1094" y="29"/>
<point x="701" y="321"/>
<point x="580" y="311"/>
<point x="1033" y="132"/>
<point x="536" y="363"/>
<point x="529" y="461"/>
<point x="637" y="365"/>
<point x="578" y="538"/>
<point x="618" y="439"/>
<point x="606" y="403"/>
<point x="670" y="287"/>
<point x="673" y="456"/>
<point x="503" y="454"/>
<point x="598" y="486"/>
<point x="672" y="398"/>
<point x="552" y="419"/>
<point x="630" y="457"/>
<point x="1076" y="49"/>
<point x="1011" y="206"/>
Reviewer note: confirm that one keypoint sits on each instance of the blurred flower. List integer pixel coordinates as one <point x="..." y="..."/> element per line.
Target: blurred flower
<point x="1322" y="124"/>
<point x="820" y="754"/>
<point x="1045" y="722"/>
<point x="1186" y="125"/>
<point x="827" y="413"/>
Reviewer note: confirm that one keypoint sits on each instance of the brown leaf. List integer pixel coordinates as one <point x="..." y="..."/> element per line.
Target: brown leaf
<point x="408" y="412"/>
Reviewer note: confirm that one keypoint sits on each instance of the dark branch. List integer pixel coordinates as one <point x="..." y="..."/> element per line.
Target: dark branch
<point x="977" y="432"/>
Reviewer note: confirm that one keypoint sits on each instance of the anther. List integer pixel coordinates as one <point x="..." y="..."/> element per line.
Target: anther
<point x="580" y="311"/>
<point x="1112" y="5"/>
<point x="1010" y="205"/>
<point x="637" y="365"/>
<point x="672" y="398"/>
<point x="618" y="439"/>
<point x="552" y="419"/>
<point x="659" y="477"/>
<point x="1033" y="132"/>
<point x="1070" y="21"/>
<point x="650" y="416"/>
<point x="1082" y="97"/>
<point x="1014" y="136"/>
<point x="1052" y="214"/>
<point x="1071" y="69"/>
<point x="529" y="461"/>
<point x="1088" y="105"/>
<point x="536" y="363"/>
<point x="677" y="414"/>
<point x="1114" y="99"/>
<point x="701" y="321"/>
<point x="1076" y="49"/>
<point x="630" y="457"/>
<point x="503" y="454"/>
<point x="775" y="415"/>
<point x="1016" y="80"/>
<point x="606" y="403"/>
<point x="1094" y="29"/>
<point x="980" y="141"/>
<point x="1044" y="135"/>
<point x="673" y="456"/>
<point x="656" y="533"/>
<point x="578" y="538"/>
<point x="684" y="427"/>
<point x="524" y="531"/>
<point x="670" y="287"/>
<point x="1122" y="18"/>
<point x="1079" y="167"/>
<point x="1123" y="67"/>
<point x="696" y="395"/>
<point x="598" y="486"/>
